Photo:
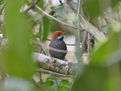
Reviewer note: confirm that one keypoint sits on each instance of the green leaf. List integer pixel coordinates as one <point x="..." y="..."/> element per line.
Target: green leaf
<point x="93" y="78"/>
<point x="27" y="2"/>
<point x="41" y="4"/>
<point x="2" y="5"/>
<point x="106" y="51"/>
<point x="92" y="7"/>
<point x="46" y="28"/>
<point x="63" y="85"/>
<point x="105" y="28"/>
<point x="98" y="78"/>
<point x="49" y="82"/>
<point x="17" y="59"/>
<point x="103" y="72"/>
<point x="114" y="2"/>
<point x="2" y="2"/>
<point x="64" y="81"/>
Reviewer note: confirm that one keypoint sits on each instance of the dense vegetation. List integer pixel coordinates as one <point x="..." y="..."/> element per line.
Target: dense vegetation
<point x="96" y="25"/>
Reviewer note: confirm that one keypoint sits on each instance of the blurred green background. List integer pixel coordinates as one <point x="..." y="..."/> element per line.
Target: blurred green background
<point x="21" y="24"/>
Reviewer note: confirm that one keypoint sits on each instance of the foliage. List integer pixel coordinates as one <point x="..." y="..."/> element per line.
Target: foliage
<point x="44" y="31"/>
<point x="57" y="85"/>
<point x="103" y="73"/>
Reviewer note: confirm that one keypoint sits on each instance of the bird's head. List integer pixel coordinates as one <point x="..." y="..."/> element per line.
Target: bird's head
<point x="58" y="35"/>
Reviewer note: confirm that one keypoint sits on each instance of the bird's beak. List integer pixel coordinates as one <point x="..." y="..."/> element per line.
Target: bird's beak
<point x="60" y="37"/>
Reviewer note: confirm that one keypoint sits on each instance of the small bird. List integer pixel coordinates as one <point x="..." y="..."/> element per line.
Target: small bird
<point x="57" y="47"/>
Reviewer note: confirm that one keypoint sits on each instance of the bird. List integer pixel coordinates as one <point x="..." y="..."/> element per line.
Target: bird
<point x="57" y="46"/>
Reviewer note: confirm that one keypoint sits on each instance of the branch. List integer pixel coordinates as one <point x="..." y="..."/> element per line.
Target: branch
<point x="84" y="39"/>
<point x="71" y="6"/>
<point x="89" y="27"/>
<point x="53" y="18"/>
<point x="37" y="42"/>
<point x="64" y="7"/>
<point x="53" y="64"/>
<point x="58" y="67"/>
<point x="78" y="49"/>
<point x="33" y="5"/>
<point x="54" y="73"/>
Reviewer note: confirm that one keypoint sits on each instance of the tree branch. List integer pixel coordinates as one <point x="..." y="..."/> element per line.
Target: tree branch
<point x="53" y="64"/>
<point x="54" y="73"/>
<point x="78" y="49"/>
<point x="53" y="18"/>
<point x="87" y="26"/>
<point x="33" y="5"/>
<point x="71" y="6"/>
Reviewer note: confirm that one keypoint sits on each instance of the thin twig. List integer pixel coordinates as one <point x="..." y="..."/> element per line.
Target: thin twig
<point x="66" y="43"/>
<point x="106" y="20"/>
<point x="36" y="84"/>
<point x="56" y="81"/>
<point x="43" y="51"/>
<point x="55" y="19"/>
<point x="33" y="5"/>
<point x="51" y="48"/>
<point x="71" y="6"/>
<point x="84" y="25"/>
<point x="63" y="6"/>
<point x="87" y="25"/>
<point x="78" y="34"/>
<point x="41" y="82"/>
<point x="55" y="73"/>
<point x="84" y="44"/>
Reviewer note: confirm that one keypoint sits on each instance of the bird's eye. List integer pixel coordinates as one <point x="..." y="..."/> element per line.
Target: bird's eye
<point x="58" y="34"/>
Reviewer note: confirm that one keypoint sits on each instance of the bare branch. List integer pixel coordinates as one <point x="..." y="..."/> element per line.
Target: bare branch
<point x="54" y="73"/>
<point x="33" y="4"/>
<point x="53" y="18"/>
<point x="41" y="83"/>
<point x="78" y="49"/>
<point x="84" y="39"/>
<point x="37" y="42"/>
<point x="64" y="7"/>
<point x="89" y="27"/>
<point x="53" y="64"/>
<point x="71" y="6"/>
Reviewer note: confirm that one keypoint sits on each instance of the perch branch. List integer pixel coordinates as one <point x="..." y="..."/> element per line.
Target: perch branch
<point x="37" y="42"/>
<point x="53" y="64"/>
